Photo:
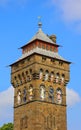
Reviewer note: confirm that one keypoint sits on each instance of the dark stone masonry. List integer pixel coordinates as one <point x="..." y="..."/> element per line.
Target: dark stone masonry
<point x="39" y="78"/>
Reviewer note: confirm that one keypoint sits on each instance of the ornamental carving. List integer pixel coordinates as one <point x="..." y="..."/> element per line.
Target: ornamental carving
<point x="23" y="122"/>
<point x="51" y="123"/>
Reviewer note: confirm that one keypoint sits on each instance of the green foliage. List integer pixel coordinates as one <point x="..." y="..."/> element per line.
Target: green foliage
<point x="8" y="126"/>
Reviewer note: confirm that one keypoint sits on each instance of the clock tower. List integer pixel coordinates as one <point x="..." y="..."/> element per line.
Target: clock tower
<point x="39" y="78"/>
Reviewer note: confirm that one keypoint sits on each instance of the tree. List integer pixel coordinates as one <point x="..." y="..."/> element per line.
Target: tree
<point x="8" y="126"/>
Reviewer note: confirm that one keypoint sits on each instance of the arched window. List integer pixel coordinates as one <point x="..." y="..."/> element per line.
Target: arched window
<point x="30" y="71"/>
<point x="26" y="75"/>
<point x="19" y="97"/>
<point x="31" y="92"/>
<point x="57" y="77"/>
<point x="15" y="78"/>
<point x="26" y="72"/>
<point x="62" y="78"/>
<point x="46" y="75"/>
<point x="20" y="79"/>
<point x="41" y="74"/>
<point x="23" y="77"/>
<point x="42" y="92"/>
<point x="52" y="77"/>
<point x="30" y="77"/>
<point x="24" y="95"/>
<point x="19" y="76"/>
<point x="51" y="94"/>
<point x="59" y="96"/>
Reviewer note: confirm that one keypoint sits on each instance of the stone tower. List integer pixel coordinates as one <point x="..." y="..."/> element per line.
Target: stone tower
<point x="39" y="78"/>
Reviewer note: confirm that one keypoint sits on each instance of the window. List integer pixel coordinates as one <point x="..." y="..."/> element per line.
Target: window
<point x="15" y="78"/>
<point x="51" y="94"/>
<point x="43" y="58"/>
<point x="26" y="75"/>
<point x="19" y="76"/>
<point x="61" y="63"/>
<point x="22" y="62"/>
<point x="24" y="95"/>
<point x="20" y="80"/>
<point x="26" y="72"/>
<point x="30" y="77"/>
<point x="42" y="92"/>
<point x="30" y="71"/>
<point x="16" y="66"/>
<point x="28" y="58"/>
<point x="59" y="96"/>
<point x="52" y="60"/>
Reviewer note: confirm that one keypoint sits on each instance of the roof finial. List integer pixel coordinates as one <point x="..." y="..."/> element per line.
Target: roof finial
<point x="39" y="22"/>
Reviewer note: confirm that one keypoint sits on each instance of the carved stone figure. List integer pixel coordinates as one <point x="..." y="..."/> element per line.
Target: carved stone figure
<point x="19" y="97"/>
<point x="59" y="96"/>
<point x="30" y="92"/>
<point x="42" y="92"/>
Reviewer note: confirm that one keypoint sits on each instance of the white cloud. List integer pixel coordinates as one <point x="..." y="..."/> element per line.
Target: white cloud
<point x="70" y="12"/>
<point x="6" y="105"/>
<point x="72" y="97"/>
<point x="70" y="9"/>
<point x="7" y="97"/>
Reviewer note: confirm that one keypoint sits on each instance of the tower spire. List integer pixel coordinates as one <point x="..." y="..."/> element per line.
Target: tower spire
<point x="39" y="22"/>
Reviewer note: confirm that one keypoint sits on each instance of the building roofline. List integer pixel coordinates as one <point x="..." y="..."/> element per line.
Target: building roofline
<point x="57" y="45"/>
<point x="42" y="55"/>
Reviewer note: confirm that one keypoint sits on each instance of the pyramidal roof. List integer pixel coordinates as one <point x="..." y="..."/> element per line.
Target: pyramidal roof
<point x="40" y="35"/>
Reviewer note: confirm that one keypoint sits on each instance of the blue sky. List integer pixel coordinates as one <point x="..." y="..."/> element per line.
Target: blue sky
<point x="18" y="23"/>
